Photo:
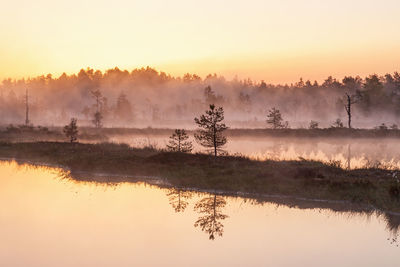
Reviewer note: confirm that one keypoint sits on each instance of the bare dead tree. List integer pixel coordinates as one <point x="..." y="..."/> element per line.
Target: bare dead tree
<point x="350" y="100"/>
<point x="97" y="96"/>
<point x="26" y="108"/>
<point x="97" y="116"/>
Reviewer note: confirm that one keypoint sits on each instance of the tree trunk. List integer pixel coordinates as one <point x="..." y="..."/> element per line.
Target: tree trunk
<point x="349" y="103"/>
<point x="348" y="109"/>
<point x="215" y="142"/>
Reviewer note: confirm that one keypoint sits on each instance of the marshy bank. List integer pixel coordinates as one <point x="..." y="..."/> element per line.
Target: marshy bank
<point x="373" y="186"/>
<point x="21" y="132"/>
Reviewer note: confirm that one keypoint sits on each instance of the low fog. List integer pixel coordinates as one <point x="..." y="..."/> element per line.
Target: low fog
<point x="148" y="98"/>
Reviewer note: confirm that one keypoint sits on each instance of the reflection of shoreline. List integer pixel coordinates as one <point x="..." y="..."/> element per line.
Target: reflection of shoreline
<point x="211" y="205"/>
<point x="392" y="220"/>
<point x="106" y="179"/>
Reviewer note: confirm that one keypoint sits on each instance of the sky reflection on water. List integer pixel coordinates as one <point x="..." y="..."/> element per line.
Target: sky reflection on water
<point x="49" y="220"/>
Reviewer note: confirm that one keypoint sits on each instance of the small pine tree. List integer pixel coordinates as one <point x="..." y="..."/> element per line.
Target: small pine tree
<point x="178" y="142"/>
<point x="274" y="118"/>
<point x="314" y="125"/>
<point x="337" y="124"/>
<point x="210" y="134"/>
<point x="383" y="127"/>
<point x="71" y="130"/>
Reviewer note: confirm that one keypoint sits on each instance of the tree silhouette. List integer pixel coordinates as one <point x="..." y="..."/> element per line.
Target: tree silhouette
<point x="210" y="134"/>
<point x="337" y="124"/>
<point x="97" y="119"/>
<point x="178" y="142"/>
<point x="211" y="221"/>
<point x="26" y="108"/>
<point x="178" y="199"/>
<point x="123" y="110"/>
<point x="71" y="130"/>
<point x="96" y="94"/>
<point x="313" y="125"/>
<point x="350" y="100"/>
<point x="211" y="97"/>
<point x="274" y="118"/>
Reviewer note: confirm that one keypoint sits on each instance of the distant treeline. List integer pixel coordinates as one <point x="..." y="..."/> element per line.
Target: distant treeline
<point x="145" y="97"/>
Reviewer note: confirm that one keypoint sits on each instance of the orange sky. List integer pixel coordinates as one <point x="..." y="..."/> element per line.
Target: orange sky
<point x="278" y="41"/>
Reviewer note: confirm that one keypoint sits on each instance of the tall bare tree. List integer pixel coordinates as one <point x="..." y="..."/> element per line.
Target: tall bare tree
<point x="26" y="108"/>
<point x="97" y="115"/>
<point x="349" y="101"/>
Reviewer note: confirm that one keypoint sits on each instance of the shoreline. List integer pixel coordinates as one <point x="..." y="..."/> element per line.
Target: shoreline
<point x="90" y="133"/>
<point x="163" y="183"/>
<point x="233" y="175"/>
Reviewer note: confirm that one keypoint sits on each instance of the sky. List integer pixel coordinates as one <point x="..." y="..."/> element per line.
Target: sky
<point x="276" y="41"/>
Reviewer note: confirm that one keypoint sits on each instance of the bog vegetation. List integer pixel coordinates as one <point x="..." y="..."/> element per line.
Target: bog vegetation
<point x="310" y="179"/>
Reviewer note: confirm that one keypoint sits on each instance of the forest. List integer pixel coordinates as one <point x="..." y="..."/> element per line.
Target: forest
<point x="146" y="97"/>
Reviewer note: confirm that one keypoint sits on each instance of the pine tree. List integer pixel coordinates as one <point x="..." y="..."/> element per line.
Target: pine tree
<point x="313" y="125"/>
<point x="71" y="130"/>
<point x="210" y="134"/>
<point x="274" y="118"/>
<point x="210" y="221"/>
<point x="337" y="124"/>
<point x="178" y="142"/>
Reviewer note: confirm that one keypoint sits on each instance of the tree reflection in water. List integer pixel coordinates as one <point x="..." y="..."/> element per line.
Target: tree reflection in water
<point x="178" y="198"/>
<point x="393" y="225"/>
<point x="210" y="208"/>
<point x="211" y="221"/>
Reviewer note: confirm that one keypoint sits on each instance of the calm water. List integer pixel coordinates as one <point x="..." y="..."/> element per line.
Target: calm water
<point x="47" y="219"/>
<point x="353" y="153"/>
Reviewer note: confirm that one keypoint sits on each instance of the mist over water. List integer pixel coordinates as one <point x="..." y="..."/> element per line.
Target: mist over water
<point x="145" y="97"/>
<point x="350" y="153"/>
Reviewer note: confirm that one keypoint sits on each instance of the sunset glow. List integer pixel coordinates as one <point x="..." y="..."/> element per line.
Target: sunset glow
<point x="278" y="41"/>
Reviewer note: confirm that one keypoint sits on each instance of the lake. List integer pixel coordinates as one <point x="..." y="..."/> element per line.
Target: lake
<point x="49" y="219"/>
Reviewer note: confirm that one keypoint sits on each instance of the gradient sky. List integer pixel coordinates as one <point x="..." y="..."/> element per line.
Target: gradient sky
<point x="278" y="41"/>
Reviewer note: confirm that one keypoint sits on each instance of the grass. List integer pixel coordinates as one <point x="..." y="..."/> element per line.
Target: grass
<point x="303" y="178"/>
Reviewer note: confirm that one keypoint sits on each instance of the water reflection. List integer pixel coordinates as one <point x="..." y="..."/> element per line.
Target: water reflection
<point x="178" y="198"/>
<point x="210" y="207"/>
<point x="393" y="226"/>
<point x="349" y="152"/>
<point x="46" y="211"/>
<point x="210" y="221"/>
